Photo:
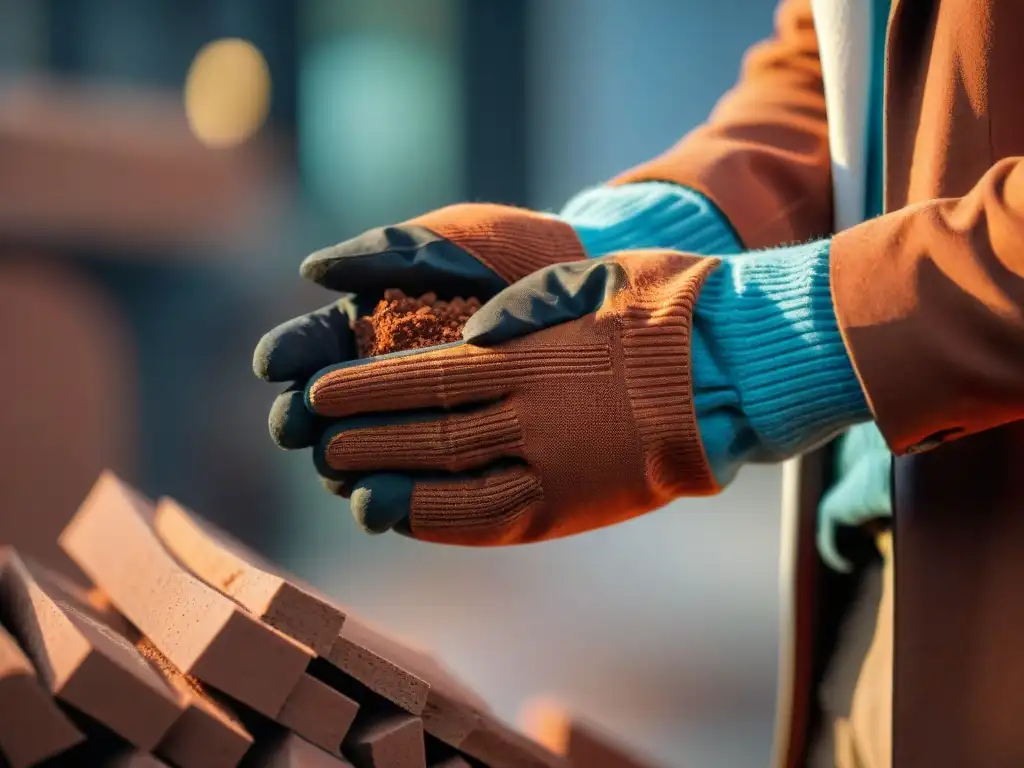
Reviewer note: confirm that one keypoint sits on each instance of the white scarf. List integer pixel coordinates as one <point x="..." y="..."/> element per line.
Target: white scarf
<point x="845" y="47"/>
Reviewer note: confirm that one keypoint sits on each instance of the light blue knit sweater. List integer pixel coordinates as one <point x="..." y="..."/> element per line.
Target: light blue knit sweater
<point x="761" y="318"/>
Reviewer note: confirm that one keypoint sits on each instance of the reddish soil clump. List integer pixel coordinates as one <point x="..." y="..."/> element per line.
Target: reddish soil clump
<point x="400" y="322"/>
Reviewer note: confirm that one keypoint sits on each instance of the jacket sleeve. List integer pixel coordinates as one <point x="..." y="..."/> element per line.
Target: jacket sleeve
<point x="762" y="157"/>
<point x="933" y="319"/>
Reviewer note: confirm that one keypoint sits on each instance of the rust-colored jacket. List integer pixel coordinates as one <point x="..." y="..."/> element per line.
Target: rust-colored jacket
<point x="930" y="301"/>
<point x="930" y="298"/>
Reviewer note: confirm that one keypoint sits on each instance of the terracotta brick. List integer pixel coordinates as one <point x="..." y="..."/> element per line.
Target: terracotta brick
<point x="319" y="714"/>
<point x="99" y="752"/>
<point x="410" y="679"/>
<point x="453" y="711"/>
<point x="286" y="750"/>
<point x="207" y="734"/>
<point x="452" y="762"/>
<point x="501" y="746"/>
<point x="280" y="600"/>
<point x="84" y="663"/>
<point x="386" y="740"/>
<point x="381" y="664"/>
<point x="32" y="727"/>
<point x="134" y="759"/>
<point x="585" y="745"/>
<point x="449" y="720"/>
<point x="439" y="677"/>
<point x="419" y="684"/>
<point x="90" y="601"/>
<point x="206" y="605"/>
<point x="202" y="632"/>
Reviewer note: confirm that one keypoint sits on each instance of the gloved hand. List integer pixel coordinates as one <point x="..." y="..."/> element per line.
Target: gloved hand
<point x="468" y="250"/>
<point x="462" y="250"/>
<point x="588" y="393"/>
<point x="570" y="405"/>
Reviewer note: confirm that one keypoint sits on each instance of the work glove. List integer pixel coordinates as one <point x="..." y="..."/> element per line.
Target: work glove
<point x="462" y="250"/>
<point x="569" y="405"/>
<point x="588" y="393"/>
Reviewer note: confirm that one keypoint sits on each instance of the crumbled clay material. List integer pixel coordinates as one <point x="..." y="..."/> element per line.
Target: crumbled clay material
<point x="173" y="634"/>
<point x="400" y="322"/>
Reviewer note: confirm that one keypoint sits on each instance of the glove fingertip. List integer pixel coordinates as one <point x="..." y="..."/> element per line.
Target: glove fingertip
<point x="291" y="425"/>
<point x="316" y="266"/>
<point x="262" y="356"/>
<point x="278" y="357"/>
<point x="381" y="502"/>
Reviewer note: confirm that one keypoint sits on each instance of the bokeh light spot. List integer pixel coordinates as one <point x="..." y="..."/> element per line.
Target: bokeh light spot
<point x="227" y="92"/>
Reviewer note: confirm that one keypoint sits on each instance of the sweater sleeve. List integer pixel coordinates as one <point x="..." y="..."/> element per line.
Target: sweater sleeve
<point x="607" y="219"/>
<point x="763" y="321"/>
<point x="772" y="375"/>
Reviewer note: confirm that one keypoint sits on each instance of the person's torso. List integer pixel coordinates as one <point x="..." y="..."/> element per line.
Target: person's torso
<point x="952" y="109"/>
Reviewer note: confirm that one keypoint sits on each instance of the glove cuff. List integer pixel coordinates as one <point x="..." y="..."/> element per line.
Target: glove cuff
<point x="655" y="332"/>
<point x="511" y="242"/>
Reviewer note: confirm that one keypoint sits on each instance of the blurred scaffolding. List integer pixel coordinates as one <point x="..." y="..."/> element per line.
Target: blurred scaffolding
<point x="165" y="165"/>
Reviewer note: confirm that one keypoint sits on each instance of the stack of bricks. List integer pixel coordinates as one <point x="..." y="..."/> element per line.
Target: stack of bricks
<point x="190" y="651"/>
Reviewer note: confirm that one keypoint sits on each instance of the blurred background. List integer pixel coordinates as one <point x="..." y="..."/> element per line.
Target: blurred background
<point x="164" y="167"/>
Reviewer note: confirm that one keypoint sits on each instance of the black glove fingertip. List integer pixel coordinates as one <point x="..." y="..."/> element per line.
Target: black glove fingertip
<point x="292" y="426"/>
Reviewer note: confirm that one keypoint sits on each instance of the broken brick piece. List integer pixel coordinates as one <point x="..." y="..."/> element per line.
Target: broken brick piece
<point x="84" y="663"/>
<point x="202" y="632"/>
<point x="319" y="714"/>
<point x="207" y="734"/>
<point x="32" y="727"/>
<point x="287" y="750"/>
<point x="386" y="740"/>
<point x="381" y="664"/>
<point x="227" y="565"/>
<point x="584" y="744"/>
<point x="400" y="322"/>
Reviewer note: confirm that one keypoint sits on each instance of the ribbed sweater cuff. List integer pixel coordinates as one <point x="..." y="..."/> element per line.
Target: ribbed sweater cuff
<point x="648" y="215"/>
<point x="769" y="320"/>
